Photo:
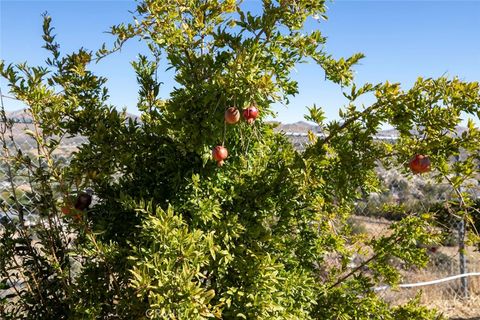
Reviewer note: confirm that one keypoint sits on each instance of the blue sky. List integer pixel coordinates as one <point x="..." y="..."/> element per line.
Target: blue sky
<point x="401" y="40"/>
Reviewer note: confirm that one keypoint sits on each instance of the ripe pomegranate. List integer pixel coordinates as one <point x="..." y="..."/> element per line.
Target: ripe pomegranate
<point x="220" y="153"/>
<point x="419" y="164"/>
<point x="250" y="114"/>
<point x="232" y="115"/>
<point x="71" y="212"/>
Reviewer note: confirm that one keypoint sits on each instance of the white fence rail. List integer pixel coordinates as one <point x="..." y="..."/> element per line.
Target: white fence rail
<point x="429" y="283"/>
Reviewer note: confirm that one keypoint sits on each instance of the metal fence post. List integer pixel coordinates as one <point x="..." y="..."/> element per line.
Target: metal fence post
<point x="461" y="246"/>
<point x="463" y="258"/>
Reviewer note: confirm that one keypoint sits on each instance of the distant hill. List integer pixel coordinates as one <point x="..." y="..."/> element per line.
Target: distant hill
<point x="22" y="116"/>
<point x="304" y="127"/>
<point x="296" y="131"/>
<point x="24" y="122"/>
<point x="392" y="132"/>
<point x="297" y="127"/>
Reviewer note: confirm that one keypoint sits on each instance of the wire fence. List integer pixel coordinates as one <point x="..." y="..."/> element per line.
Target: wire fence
<point x="439" y="289"/>
<point x="440" y="282"/>
<point x="15" y="177"/>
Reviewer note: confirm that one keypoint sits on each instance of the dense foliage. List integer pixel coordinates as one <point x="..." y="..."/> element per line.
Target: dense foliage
<point x="171" y="234"/>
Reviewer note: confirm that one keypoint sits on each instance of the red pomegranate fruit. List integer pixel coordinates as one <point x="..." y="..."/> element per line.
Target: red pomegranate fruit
<point x="232" y="115"/>
<point x="419" y="164"/>
<point x="250" y="114"/>
<point x="220" y="153"/>
<point x="71" y="212"/>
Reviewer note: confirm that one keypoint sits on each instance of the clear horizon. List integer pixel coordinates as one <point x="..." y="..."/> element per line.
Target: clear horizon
<point x="402" y="40"/>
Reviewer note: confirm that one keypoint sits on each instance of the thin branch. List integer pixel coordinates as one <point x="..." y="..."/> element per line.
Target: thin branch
<point x="351" y="273"/>
<point x="349" y="122"/>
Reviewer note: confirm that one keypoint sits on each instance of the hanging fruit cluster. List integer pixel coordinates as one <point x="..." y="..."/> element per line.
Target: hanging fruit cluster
<point x="232" y="116"/>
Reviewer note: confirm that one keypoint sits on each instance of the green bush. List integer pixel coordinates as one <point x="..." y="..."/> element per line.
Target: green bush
<point x="171" y="234"/>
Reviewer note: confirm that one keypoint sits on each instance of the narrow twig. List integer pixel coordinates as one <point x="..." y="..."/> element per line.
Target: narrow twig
<point x="363" y="264"/>
<point x="351" y="273"/>
<point x="349" y="122"/>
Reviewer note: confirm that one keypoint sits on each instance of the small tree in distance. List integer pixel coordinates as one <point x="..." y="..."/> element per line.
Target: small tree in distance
<point x="264" y="236"/>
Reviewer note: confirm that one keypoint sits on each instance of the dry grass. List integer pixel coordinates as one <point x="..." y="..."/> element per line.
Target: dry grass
<point x="445" y="297"/>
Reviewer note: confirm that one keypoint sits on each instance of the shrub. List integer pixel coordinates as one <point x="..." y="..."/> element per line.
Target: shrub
<point x="171" y="231"/>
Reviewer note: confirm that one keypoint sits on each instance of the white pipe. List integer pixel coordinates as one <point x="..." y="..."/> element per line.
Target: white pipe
<point x="427" y="283"/>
